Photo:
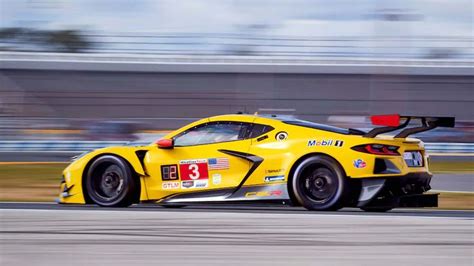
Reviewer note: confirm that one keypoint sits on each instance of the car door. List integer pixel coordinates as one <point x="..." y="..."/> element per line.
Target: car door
<point x="202" y="158"/>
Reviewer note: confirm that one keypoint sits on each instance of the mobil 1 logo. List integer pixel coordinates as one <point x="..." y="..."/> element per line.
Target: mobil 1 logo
<point x="325" y="142"/>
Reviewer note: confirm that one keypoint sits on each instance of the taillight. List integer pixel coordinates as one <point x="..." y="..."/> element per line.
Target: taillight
<point x="378" y="149"/>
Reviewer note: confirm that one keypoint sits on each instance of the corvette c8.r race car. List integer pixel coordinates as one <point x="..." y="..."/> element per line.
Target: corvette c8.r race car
<point x="245" y="158"/>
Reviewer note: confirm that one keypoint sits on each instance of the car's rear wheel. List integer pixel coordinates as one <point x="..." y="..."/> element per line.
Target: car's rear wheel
<point x="110" y="183"/>
<point x="320" y="184"/>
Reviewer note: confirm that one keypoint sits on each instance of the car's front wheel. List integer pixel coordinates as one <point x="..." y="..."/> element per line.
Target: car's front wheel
<point x="109" y="182"/>
<point x="320" y="184"/>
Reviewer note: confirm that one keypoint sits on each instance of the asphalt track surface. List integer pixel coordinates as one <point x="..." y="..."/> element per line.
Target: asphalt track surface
<point x="51" y="234"/>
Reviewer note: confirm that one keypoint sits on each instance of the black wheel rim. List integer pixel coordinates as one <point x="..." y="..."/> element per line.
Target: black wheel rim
<point x="108" y="182"/>
<point x="319" y="185"/>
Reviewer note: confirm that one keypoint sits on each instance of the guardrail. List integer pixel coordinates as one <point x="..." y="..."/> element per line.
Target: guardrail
<point x="81" y="146"/>
<point x="450" y="147"/>
<point x="58" y="146"/>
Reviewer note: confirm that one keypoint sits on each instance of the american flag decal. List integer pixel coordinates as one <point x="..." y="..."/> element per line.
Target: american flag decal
<point x="218" y="163"/>
<point x="339" y="143"/>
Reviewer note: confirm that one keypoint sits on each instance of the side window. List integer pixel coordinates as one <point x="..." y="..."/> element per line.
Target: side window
<point x="259" y="129"/>
<point x="213" y="132"/>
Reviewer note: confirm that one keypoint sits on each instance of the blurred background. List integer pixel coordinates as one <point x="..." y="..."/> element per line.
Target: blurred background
<point x="76" y="75"/>
<point x="81" y="75"/>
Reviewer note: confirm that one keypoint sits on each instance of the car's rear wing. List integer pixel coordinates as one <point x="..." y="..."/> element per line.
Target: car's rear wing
<point x="395" y="122"/>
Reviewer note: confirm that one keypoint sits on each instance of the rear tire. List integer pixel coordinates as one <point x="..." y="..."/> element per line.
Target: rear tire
<point x="110" y="182"/>
<point x="320" y="184"/>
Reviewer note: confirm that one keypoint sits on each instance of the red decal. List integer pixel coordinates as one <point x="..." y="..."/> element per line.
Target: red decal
<point x="386" y="120"/>
<point x="193" y="170"/>
<point x="275" y="193"/>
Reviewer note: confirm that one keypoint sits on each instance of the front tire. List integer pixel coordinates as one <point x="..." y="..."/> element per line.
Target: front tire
<point x="110" y="183"/>
<point x="320" y="184"/>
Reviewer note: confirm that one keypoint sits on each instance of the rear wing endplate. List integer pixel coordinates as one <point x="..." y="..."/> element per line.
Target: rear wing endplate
<point x="395" y="122"/>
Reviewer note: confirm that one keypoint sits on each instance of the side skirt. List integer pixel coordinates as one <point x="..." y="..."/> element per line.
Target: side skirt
<point x="270" y="192"/>
<point x="253" y="203"/>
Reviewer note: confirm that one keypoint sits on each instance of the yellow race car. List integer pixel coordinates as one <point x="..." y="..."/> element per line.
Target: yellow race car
<point x="245" y="158"/>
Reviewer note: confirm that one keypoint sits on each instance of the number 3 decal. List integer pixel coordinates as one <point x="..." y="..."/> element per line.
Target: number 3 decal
<point x="194" y="171"/>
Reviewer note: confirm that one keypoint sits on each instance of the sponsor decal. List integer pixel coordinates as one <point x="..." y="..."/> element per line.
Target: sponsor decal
<point x="216" y="179"/>
<point x="194" y="184"/>
<point x="169" y="172"/>
<point x="200" y="183"/>
<point x="359" y="163"/>
<point x="326" y="142"/>
<point x="193" y="161"/>
<point x="268" y="191"/>
<point x="280" y="136"/>
<point x="170" y="185"/>
<point x="193" y="169"/>
<point x="274" y="178"/>
<point x="275" y="171"/>
<point x="187" y="184"/>
<point x="218" y="163"/>
<point x="338" y="143"/>
<point x="258" y="194"/>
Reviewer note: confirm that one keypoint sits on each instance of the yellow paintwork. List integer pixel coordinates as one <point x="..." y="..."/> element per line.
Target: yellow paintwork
<point x="278" y="158"/>
<point x="74" y="172"/>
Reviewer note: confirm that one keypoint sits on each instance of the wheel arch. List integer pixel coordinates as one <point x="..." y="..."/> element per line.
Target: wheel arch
<point x="291" y="193"/>
<point x="136" y="176"/>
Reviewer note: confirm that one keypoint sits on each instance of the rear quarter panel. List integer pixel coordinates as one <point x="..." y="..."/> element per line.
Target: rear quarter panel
<point x="281" y="156"/>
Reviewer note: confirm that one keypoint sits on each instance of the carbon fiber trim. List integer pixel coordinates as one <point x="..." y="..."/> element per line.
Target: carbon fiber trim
<point x="277" y="192"/>
<point x="254" y="159"/>
<point x="215" y="193"/>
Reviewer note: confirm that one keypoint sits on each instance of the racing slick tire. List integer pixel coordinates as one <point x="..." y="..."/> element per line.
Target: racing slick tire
<point x="109" y="182"/>
<point x="319" y="183"/>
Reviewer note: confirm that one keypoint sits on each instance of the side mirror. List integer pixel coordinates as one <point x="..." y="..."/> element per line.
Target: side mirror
<point x="165" y="143"/>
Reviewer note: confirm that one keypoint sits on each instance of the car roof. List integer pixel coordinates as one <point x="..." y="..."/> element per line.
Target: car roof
<point x="249" y="118"/>
<point x="252" y="116"/>
<point x="232" y="116"/>
<point x="287" y="119"/>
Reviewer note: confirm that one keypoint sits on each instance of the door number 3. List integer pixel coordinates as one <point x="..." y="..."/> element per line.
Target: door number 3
<point x="194" y="171"/>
